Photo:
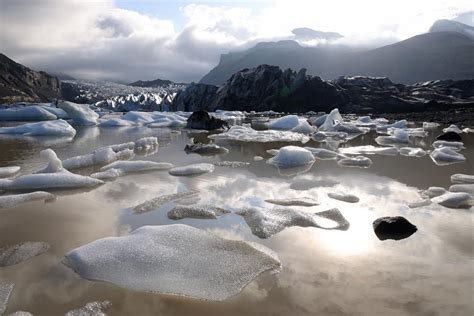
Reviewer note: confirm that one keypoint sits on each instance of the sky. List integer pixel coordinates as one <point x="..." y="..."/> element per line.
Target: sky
<point x="125" y="40"/>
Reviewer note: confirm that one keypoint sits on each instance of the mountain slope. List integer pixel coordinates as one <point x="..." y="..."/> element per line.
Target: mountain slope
<point x="452" y="26"/>
<point x="21" y="84"/>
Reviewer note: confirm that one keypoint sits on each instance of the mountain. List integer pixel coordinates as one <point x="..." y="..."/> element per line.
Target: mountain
<point x="21" y="84"/>
<point x="452" y="26"/>
<point x="154" y="83"/>
<point x="270" y="88"/>
<point x="429" y="56"/>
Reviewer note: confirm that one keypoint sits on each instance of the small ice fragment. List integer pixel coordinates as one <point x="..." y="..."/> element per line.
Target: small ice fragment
<point x="412" y="152"/>
<point x="345" y="197"/>
<point x="432" y="192"/>
<point x="445" y="156"/>
<point x="192" y="170"/>
<point x="6" y="289"/>
<point x="358" y="161"/>
<point x="8" y="171"/>
<point x="80" y="114"/>
<point x="272" y="152"/>
<point x="452" y="128"/>
<point x="462" y="178"/>
<point x="231" y="164"/>
<point x="91" y="309"/>
<point x="468" y="188"/>
<point x="115" y="122"/>
<point x="292" y="156"/>
<point x="21" y="252"/>
<point x="457" y="146"/>
<point x="369" y="150"/>
<point x="399" y="136"/>
<point x="137" y="166"/>
<point x="454" y="200"/>
<point x="421" y="203"/>
<point x="46" y="128"/>
<point x="299" y="201"/>
<point x="157" y="202"/>
<point x="284" y="123"/>
<point x="196" y="211"/>
<point x="257" y="158"/>
<point x="7" y="201"/>
<point x="468" y="130"/>
<point x="109" y="174"/>
<point x="174" y="259"/>
<point x="101" y="156"/>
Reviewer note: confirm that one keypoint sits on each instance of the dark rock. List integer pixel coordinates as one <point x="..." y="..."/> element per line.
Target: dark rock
<point x="195" y="97"/>
<point x="395" y="228"/>
<point x="202" y="120"/>
<point x="205" y="149"/>
<point x="450" y="136"/>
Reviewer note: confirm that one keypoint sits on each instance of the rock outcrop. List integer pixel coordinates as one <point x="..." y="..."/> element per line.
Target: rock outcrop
<point x="21" y="84"/>
<point x="203" y="120"/>
<point x="194" y="97"/>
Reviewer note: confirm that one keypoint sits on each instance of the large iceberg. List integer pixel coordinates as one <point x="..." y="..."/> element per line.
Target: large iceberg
<point x="47" y="128"/>
<point x="80" y="114"/>
<point x="27" y="113"/>
<point x="174" y="259"/>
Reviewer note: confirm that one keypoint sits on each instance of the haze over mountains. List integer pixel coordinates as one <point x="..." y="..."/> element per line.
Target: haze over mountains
<point x="445" y="52"/>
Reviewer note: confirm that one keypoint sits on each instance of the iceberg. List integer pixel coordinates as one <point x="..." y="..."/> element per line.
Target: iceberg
<point x="90" y="309"/>
<point x="402" y="124"/>
<point x="21" y="252"/>
<point x="303" y="128"/>
<point x="432" y="192"/>
<point x="300" y="201"/>
<point x="101" y="156"/>
<point x="7" y="201"/>
<point x="8" y="171"/>
<point x="284" y="123"/>
<point x="399" y="136"/>
<point x="176" y="260"/>
<point x="445" y="156"/>
<point x="26" y="113"/>
<point x="292" y="156"/>
<point x="454" y="200"/>
<point x="115" y="122"/>
<point x="345" y="197"/>
<point x="6" y="289"/>
<point x="467" y="188"/>
<point x="322" y="153"/>
<point x="242" y="133"/>
<point x="462" y="178"/>
<point x="159" y="201"/>
<point x="452" y="128"/>
<point x="267" y="222"/>
<point x="457" y="146"/>
<point x="369" y="150"/>
<point x="138" y="117"/>
<point x="192" y="170"/>
<point x="137" y="166"/>
<point x="358" y="161"/>
<point x="80" y="114"/>
<point x="412" y="152"/>
<point x="335" y="123"/>
<point x="196" y="211"/>
<point x="46" y="128"/>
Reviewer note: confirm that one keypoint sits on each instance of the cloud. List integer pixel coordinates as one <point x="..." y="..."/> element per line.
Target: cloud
<point x="98" y="40"/>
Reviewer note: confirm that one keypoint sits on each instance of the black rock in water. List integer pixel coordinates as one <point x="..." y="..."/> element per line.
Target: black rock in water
<point x="202" y="120"/>
<point x="396" y="228"/>
<point x="450" y="136"/>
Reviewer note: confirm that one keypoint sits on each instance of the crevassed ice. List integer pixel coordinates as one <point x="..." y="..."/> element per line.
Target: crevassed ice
<point x="46" y="128"/>
<point x="173" y="259"/>
<point x="196" y="211"/>
<point x="247" y="134"/>
<point x="192" y="169"/>
<point x="292" y="156"/>
<point x="80" y="114"/>
<point x="7" y="201"/>
<point x="21" y="252"/>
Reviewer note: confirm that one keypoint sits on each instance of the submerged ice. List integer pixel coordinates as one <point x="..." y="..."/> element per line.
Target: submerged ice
<point x="196" y="211"/>
<point x="21" y="252"/>
<point x="192" y="170"/>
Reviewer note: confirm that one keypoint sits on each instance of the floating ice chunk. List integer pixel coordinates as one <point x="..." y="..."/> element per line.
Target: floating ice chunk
<point x="138" y="117"/>
<point x="462" y="178"/>
<point x="47" y="128"/>
<point x="414" y="132"/>
<point x="91" y="309"/>
<point x="27" y="113"/>
<point x="196" y="211"/>
<point x="257" y="158"/>
<point x="192" y="170"/>
<point x="322" y="153"/>
<point x="137" y="166"/>
<point x="174" y="259"/>
<point x="430" y="125"/>
<point x="369" y="150"/>
<point x="231" y="164"/>
<point x="432" y="192"/>
<point x="59" y="180"/>
<point x="397" y="125"/>
<point x="146" y="145"/>
<point x="267" y="222"/>
<point x="421" y="203"/>
<point x="21" y="252"/>
<point x="321" y="136"/>
<point x="468" y="188"/>
<point x="80" y="114"/>
<point x="110" y="174"/>
<point x="115" y="122"/>
<point x="284" y="123"/>
<point x="247" y="134"/>
<point x="454" y="200"/>
<point x="8" y="171"/>
<point x="176" y="121"/>
<point x="318" y="121"/>
<point x="446" y="156"/>
<point x="292" y="156"/>
<point x="457" y="146"/>
<point x="303" y="128"/>
<point x="300" y="201"/>
<point x="157" y="202"/>
<point x="54" y="164"/>
<point x="7" y="201"/>
<point x="6" y="289"/>
<point x="452" y="128"/>
<point x="412" y="152"/>
<point x="101" y="156"/>
<point x="273" y="152"/>
<point x="206" y="149"/>
<point x="59" y="113"/>
<point x="468" y="130"/>
<point x="399" y="136"/>
<point x="345" y="197"/>
<point x="331" y="121"/>
<point x="358" y="161"/>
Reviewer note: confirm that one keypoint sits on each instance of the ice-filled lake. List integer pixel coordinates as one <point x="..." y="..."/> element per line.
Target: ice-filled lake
<point x="326" y="264"/>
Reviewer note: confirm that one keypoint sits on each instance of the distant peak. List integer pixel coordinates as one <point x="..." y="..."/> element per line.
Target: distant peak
<point x="452" y="26"/>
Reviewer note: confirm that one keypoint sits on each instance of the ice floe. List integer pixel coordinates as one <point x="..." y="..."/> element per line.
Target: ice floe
<point x="462" y="178"/>
<point x="424" y="202"/>
<point x="292" y="156"/>
<point x="468" y="188"/>
<point x="27" y="113"/>
<point x="452" y="128"/>
<point x="267" y="222"/>
<point x="358" y="161"/>
<point x="433" y="192"/>
<point x="322" y="153"/>
<point x="8" y="171"/>
<point x="402" y="124"/>
<point x="412" y="152"/>
<point x="174" y="259"/>
<point x="125" y="167"/>
<point x="399" y="136"/>
<point x="46" y="128"/>
<point x="454" y="200"/>
<point x="457" y="146"/>
<point x="192" y="170"/>
<point x="247" y="134"/>
<point x="257" y="158"/>
<point x="115" y="122"/>
<point x="91" y="309"/>
<point x="7" y="201"/>
<point x="196" y="211"/>
<point x="299" y="201"/>
<point x="345" y="197"/>
<point x="21" y="252"/>
<point x="101" y="156"/>
<point x="80" y="114"/>
<point x="284" y="123"/>
<point x="369" y="150"/>
<point x="6" y="289"/>
<point x="157" y="202"/>
<point x="446" y="156"/>
<point x="206" y="149"/>
<point x="430" y="125"/>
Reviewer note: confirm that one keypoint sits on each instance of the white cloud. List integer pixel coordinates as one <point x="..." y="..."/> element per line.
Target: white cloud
<point x="95" y="39"/>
